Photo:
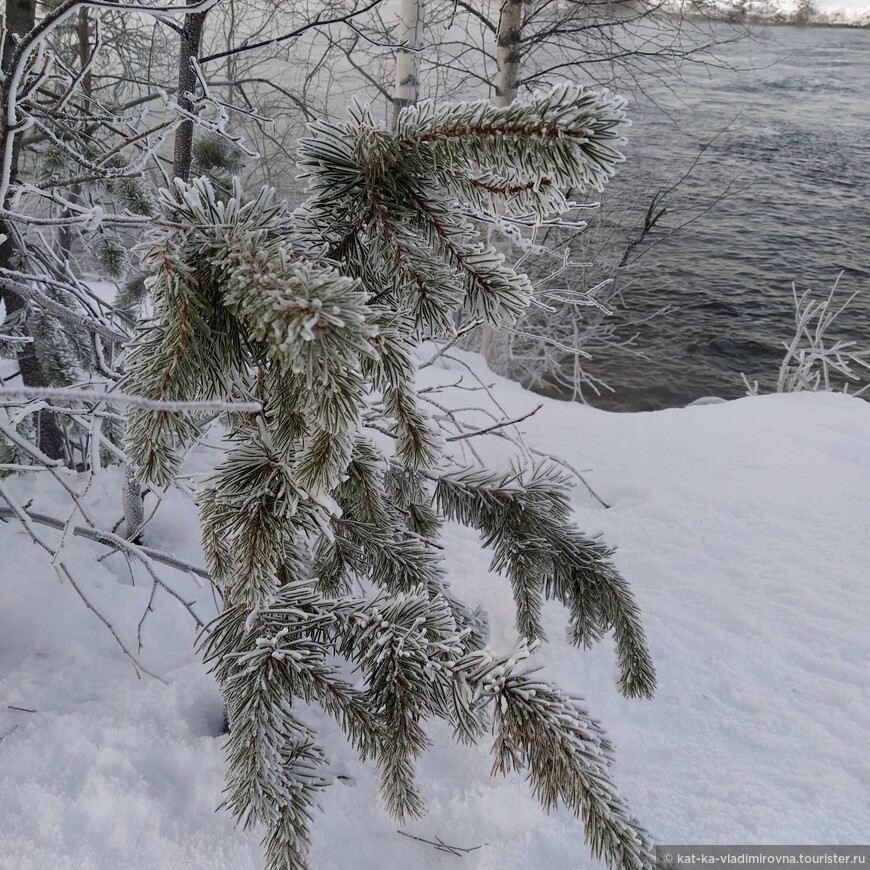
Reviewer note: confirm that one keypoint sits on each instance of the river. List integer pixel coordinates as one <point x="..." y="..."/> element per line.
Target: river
<point x="791" y="108"/>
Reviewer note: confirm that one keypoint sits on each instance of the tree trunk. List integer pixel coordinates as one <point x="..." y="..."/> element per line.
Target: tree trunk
<point x="508" y="48"/>
<point x="191" y="40"/>
<point x="408" y="37"/>
<point x="20" y="19"/>
<point x="495" y="343"/>
<point x="83" y="33"/>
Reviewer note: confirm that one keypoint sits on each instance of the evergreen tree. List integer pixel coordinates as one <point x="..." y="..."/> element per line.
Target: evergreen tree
<point x="320" y="538"/>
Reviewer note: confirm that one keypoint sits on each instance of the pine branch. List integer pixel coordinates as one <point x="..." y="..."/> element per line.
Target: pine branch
<point x="525" y="520"/>
<point x="303" y="328"/>
<point x="567" y="135"/>
<point x="546" y="733"/>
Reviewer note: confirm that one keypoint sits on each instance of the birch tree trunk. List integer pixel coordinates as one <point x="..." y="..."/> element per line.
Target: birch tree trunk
<point x="495" y="343"/>
<point x="408" y="37"/>
<point x="65" y="235"/>
<point x="508" y="49"/>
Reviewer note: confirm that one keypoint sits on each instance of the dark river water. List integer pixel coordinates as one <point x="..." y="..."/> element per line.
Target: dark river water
<point x="792" y="110"/>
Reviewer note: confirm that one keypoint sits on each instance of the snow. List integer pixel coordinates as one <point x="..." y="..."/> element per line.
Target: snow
<point x="854" y="13"/>
<point x="742" y="527"/>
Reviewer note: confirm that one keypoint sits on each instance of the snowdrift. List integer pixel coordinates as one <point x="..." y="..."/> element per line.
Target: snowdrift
<point x="742" y="528"/>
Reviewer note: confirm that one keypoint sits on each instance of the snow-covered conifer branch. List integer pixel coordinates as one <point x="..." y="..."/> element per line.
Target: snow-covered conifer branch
<point x="403" y="198"/>
<point x="524" y="519"/>
<point x="302" y="326"/>
<point x="547" y="734"/>
<point x="566" y="137"/>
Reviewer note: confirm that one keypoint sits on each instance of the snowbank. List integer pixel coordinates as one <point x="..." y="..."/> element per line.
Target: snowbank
<point x="742" y="527"/>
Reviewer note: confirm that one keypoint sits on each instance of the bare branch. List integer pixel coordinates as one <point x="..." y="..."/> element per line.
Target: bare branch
<point x="72" y="395"/>
<point x="318" y="22"/>
<point x="494" y="427"/>
<point x="60" y="311"/>
<point x="441" y="846"/>
<point x="62" y="568"/>
<point x="108" y="539"/>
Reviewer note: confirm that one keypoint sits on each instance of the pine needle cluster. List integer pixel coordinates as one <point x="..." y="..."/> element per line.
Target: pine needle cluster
<point x="323" y="541"/>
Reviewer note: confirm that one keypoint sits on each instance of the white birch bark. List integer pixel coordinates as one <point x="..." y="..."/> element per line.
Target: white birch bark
<point x="507" y="55"/>
<point x="495" y="343"/>
<point x="408" y="38"/>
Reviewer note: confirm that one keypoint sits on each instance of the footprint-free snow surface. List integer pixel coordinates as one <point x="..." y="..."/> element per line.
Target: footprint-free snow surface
<point x="743" y="530"/>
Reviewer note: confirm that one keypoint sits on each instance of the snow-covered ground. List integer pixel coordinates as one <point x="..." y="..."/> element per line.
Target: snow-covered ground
<point x="854" y="13"/>
<point x="742" y="527"/>
<point x="850" y="12"/>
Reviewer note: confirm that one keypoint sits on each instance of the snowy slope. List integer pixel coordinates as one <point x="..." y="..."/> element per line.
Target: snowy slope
<point x="742" y="527"/>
